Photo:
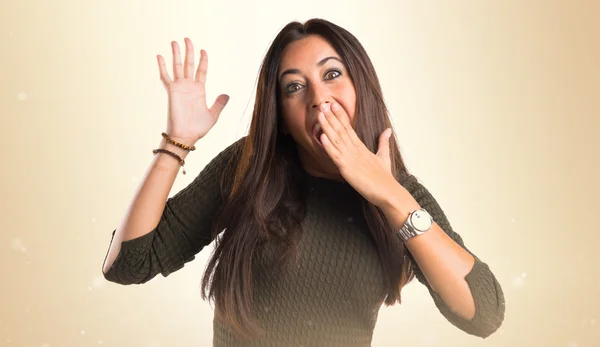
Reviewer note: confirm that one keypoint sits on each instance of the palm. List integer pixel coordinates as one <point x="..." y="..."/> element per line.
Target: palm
<point x="187" y="108"/>
<point x="189" y="117"/>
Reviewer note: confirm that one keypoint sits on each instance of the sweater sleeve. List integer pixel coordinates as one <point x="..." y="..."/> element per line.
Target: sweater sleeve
<point x="486" y="290"/>
<point x="184" y="228"/>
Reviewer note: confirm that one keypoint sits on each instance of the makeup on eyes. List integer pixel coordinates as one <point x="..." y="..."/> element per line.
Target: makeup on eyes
<point x="287" y="86"/>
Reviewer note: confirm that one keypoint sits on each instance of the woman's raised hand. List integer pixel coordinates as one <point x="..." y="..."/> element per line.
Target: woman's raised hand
<point x="189" y="118"/>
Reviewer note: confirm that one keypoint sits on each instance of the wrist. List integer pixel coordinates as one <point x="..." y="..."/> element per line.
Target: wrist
<point x="398" y="206"/>
<point x="399" y="202"/>
<point x="173" y="148"/>
<point x="395" y="213"/>
<point x="185" y="140"/>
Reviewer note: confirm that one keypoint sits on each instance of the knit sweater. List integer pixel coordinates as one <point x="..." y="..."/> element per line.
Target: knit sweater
<point x="332" y="296"/>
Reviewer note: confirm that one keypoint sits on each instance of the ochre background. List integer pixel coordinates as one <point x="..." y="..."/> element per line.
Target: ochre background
<point x="496" y="105"/>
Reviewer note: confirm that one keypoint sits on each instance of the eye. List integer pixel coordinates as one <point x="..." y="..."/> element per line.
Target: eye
<point x="333" y="73"/>
<point x="292" y="87"/>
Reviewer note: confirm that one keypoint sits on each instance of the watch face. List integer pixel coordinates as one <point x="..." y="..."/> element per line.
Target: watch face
<point x="420" y="220"/>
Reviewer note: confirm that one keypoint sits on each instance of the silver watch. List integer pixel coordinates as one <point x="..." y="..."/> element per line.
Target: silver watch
<point x="418" y="222"/>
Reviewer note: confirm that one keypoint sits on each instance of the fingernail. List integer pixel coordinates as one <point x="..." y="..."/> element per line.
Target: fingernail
<point x="334" y="106"/>
<point x="325" y="107"/>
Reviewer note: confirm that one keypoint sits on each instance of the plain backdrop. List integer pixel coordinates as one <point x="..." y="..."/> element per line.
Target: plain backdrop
<point x="496" y="105"/>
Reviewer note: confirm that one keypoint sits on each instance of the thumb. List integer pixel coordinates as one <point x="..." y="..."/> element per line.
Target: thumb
<point x="219" y="105"/>
<point x="384" y="144"/>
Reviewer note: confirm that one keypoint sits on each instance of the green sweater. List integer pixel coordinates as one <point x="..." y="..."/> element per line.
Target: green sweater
<point x="332" y="298"/>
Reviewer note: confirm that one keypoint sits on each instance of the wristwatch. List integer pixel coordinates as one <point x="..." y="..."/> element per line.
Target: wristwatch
<point x="418" y="222"/>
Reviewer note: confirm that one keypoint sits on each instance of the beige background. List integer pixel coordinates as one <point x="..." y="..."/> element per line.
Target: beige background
<point x="496" y="104"/>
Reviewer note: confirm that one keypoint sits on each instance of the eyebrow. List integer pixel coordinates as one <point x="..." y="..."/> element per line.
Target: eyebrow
<point x="296" y="71"/>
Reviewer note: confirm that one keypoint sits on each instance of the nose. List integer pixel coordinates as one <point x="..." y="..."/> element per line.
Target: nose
<point x="317" y="105"/>
<point x="320" y="95"/>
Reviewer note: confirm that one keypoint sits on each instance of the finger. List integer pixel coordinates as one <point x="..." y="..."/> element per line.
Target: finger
<point x="177" y="67"/>
<point x="344" y="119"/>
<point x="328" y="130"/>
<point x="202" y="67"/>
<point x="189" y="58"/>
<point x="383" y="150"/>
<point x="219" y="105"/>
<point x="162" y="68"/>
<point x="337" y="126"/>
<point x="331" y="150"/>
<point x="340" y="113"/>
<point x="334" y="129"/>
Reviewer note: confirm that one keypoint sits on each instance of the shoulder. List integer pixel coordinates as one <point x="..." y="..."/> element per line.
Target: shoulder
<point x="223" y="163"/>
<point x="410" y="182"/>
<point x="406" y="179"/>
<point x="233" y="149"/>
<point x="229" y="154"/>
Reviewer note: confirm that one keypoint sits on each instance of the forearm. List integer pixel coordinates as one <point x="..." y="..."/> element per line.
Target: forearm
<point x="148" y="203"/>
<point x="443" y="262"/>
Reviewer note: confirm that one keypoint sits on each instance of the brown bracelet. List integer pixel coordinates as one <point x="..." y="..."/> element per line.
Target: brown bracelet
<point x="174" y="155"/>
<point x="180" y="145"/>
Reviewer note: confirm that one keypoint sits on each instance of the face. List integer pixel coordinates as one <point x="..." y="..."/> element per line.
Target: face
<point x="312" y="73"/>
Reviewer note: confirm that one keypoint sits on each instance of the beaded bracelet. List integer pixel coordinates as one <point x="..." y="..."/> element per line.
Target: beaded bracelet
<point x="180" y="145"/>
<point x="174" y="155"/>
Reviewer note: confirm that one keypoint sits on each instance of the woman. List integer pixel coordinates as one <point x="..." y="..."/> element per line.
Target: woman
<point x="316" y="220"/>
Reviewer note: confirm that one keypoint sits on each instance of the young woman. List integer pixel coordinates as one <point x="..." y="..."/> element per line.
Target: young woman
<point x="315" y="218"/>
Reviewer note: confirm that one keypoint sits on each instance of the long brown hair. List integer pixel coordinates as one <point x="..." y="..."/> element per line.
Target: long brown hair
<point x="266" y="170"/>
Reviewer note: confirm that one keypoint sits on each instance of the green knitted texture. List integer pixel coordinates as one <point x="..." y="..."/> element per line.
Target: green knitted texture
<point x="332" y="296"/>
